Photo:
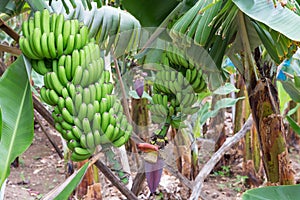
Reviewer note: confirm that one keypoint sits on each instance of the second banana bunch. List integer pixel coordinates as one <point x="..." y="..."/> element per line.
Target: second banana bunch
<point x="175" y="89"/>
<point x="85" y="111"/>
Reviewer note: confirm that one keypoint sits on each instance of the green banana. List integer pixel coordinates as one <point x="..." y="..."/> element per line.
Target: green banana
<point x="90" y="141"/>
<point x="51" y="45"/>
<point x="45" y="21"/>
<point x="86" y="125"/>
<point x="66" y="32"/>
<point x="82" y="111"/>
<point x="36" y="37"/>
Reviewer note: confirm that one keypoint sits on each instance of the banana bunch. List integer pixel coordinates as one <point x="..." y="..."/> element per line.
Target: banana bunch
<point x="175" y="88"/>
<point x="195" y="23"/>
<point x="191" y="72"/>
<point x="85" y="111"/>
<point x="48" y="36"/>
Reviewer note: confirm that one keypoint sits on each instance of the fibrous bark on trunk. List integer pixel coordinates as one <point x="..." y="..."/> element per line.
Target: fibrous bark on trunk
<point x="269" y="124"/>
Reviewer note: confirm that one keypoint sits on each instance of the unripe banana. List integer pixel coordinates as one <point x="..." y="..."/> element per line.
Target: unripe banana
<point x="26" y="49"/>
<point x="69" y="135"/>
<point x="90" y="141"/>
<point x="55" y="83"/>
<point x="36" y="40"/>
<point x="69" y="105"/>
<point x="90" y="112"/>
<point x="98" y="91"/>
<point x="70" y="45"/>
<point x="59" y="45"/>
<point x="66" y="32"/>
<point x="59" y="25"/>
<point x="109" y="132"/>
<point x="97" y="137"/>
<point x="82" y="111"/>
<point x="65" y="92"/>
<point x="85" y="78"/>
<point x="37" y="19"/>
<point x="86" y="125"/>
<point x="83" y="141"/>
<point x="82" y="151"/>
<point x="72" y="144"/>
<point x="96" y="122"/>
<point x="65" y="125"/>
<point x="45" y="21"/>
<point x="67" y="116"/>
<point x="84" y="35"/>
<point x="53" y="22"/>
<point x="77" y="41"/>
<point x="76" y="132"/>
<point x="86" y="95"/>
<point x="75" y="61"/>
<point x="68" y="67"/>
<point x="96" y="106"/>
<point x="71" y="89"/>
<point x="104" y="121"/>
<point x="25" y="28"/>
<point x="51" y="45"/>
<point x="119" y="142"/>
<point x="77" y="157"/>
<point x="103" y="105"/>
<point x="44" y="45"/>
<point x="62" y="75"/>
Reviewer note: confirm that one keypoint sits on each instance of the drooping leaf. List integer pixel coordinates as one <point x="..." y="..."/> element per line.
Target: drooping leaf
<point x="205" y="113"/>
<point x="109" y="26"/>
<point x="11" y="7"/>
<point x="150" y="13"/>
<point x="283" y="96"/>
<point x="280" y="19"/>
<point x="287" y="192"/>
<point x="37" y="4"/>
<point x="64" y="190"/>
<point x="17" y="115"/>
<point x="293" y="124"/>
<point x="297" y="81"/>
<point x="226" y="89"/>
<point x="291" y="89"/>
<point x="0" y="123"/>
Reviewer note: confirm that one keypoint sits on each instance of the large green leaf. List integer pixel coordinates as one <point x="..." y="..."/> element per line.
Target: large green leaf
<point x="11" y="7"/>
<point x="37" y="4"/>
<point x="291" y="89"/>
<point x="109" y="26"/>
<point x="280" y="19"/>
<point x="293" y="124"/>
<point x="64" y="190"/>
<point x="17" y="115"/>
<point x="150" y="13"/>
<point x="286" y="192"/>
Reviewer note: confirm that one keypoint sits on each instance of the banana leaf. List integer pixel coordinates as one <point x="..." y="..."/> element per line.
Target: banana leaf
<point x="17" y="115"/>
<point x="286" y="192"/>
<point x="64" y="190"/>
<point x="150" y="13"/>
<point x="280" y="19"/>
<point x="11" y="7"/>
<point x="37" y="4"/>
<point x="291" y="89"/>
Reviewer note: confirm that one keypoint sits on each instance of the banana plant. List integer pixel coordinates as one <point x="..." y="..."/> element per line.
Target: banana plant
<point x="245" y="31"/>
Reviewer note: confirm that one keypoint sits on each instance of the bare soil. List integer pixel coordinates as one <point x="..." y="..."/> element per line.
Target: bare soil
<point x="40" y="170"/>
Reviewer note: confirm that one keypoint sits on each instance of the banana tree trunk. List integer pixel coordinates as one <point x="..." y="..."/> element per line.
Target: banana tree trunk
<point x="263" y="99"/>
<point x="264" y="104"/>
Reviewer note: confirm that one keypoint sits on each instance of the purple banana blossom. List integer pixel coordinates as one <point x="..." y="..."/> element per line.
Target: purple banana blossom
<point x="153" y="173"/>
<point x="139" y="86"/>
